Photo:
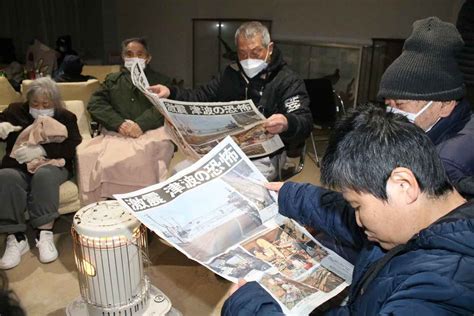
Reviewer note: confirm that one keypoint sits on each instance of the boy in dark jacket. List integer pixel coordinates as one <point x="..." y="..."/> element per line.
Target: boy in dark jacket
<point x="396" y="207"/>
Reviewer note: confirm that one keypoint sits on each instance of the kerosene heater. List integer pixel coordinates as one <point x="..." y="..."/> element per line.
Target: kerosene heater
<point x="110" y="250"/>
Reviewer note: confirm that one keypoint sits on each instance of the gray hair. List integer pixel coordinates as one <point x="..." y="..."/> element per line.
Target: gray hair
<point x="47" y="87"/>
<point x="139" y="40"/>
<point x="251" y="29"/>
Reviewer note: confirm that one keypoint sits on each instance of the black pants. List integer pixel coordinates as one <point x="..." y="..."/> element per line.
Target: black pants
<point x="37" y="193"/>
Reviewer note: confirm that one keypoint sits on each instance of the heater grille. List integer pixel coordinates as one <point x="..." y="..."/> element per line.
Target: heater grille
<point x="110" y="249"/>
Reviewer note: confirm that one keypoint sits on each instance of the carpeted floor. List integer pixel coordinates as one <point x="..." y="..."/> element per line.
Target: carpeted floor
<point x="46" y="289"/>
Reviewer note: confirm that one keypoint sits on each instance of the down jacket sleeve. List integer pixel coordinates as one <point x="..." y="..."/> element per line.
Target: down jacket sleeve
<point x="251" y="299"/>
<point x="321" y="209"/>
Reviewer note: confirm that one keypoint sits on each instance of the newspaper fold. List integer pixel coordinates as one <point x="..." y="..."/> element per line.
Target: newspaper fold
<point x="196" y="127"/>
<point x="219" y="213"/>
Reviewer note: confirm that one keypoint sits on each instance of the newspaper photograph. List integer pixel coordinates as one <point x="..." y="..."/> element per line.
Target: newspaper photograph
<point x="197" y="127"/>
<point x="218" y="213"/>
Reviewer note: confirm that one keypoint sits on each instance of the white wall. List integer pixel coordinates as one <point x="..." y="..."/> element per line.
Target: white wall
<point x="168" y="23"/>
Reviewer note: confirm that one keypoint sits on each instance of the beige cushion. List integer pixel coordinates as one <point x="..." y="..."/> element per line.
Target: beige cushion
<point x="100" y="71"/>
<point x="68" y="191"/>
<point x="68" y="197"/>
<point x="8" y="94"/>
<point x="77" y="107"/>
<point x="71" y="90"/>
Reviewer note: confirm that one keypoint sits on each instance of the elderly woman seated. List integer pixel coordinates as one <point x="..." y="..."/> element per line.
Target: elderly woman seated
<point x="41" y="138"/>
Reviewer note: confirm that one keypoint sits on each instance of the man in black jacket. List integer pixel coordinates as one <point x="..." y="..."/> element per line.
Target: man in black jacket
<point x="260" y="74"/>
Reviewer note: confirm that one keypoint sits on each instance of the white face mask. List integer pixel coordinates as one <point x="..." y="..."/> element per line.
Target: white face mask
<point x="129" y="62"/>
<point x="252" y="67"/>
<point x="412" y="116"/>
<point x="44" y="112"/>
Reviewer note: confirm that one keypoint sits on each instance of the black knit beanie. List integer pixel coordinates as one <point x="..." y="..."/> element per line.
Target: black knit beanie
<point x="427" y="68"/>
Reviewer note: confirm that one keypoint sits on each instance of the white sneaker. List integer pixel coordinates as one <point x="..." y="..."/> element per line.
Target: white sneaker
<point x="13" y="252"/>
<point x="46" y="247"/>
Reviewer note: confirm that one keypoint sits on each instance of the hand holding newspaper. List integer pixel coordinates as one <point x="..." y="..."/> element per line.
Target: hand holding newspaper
<point x="196" y="127"/>
<point x="218" y="213"/>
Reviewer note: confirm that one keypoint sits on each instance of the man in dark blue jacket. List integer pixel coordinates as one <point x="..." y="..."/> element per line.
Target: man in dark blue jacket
<point x="425" y="84"/>
<point x="396" y="207"/>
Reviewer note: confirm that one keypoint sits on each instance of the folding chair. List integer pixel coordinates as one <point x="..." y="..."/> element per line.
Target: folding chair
<point x="325" y="105"/>
<point x="287" y="169"/>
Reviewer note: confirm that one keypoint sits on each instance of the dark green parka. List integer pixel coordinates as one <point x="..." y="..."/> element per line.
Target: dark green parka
<point x="118" y="99"/>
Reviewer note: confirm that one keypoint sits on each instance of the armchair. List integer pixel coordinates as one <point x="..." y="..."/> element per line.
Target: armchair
<point x="100" y="71"/>
<point x="69" y="191"/>
<point x="8" y="94"/>
<point x="71" y="90"/>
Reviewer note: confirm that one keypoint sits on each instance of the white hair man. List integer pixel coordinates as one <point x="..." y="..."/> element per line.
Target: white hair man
<point x="260" y="74"/>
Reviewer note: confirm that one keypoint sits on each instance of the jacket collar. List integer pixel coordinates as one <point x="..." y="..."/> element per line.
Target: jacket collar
<point x="452" y="124"/>
<point x="452" y="232"/>
<point x="447" y="233"/>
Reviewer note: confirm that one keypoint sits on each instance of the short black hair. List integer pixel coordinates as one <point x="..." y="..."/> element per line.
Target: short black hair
<point x="9" y="303"/>
<point x="368" y="143"/>
<point x="140" y="40"/>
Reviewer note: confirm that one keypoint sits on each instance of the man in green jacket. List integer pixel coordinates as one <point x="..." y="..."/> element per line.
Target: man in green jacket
<point x="119" y="106"/>
<point x="133" y="151"/>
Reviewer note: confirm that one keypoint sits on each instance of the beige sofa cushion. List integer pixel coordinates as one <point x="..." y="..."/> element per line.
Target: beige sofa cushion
<point x="71" y="90"/>
<point x="68" y="197"/>
<point x="100" y="71"/>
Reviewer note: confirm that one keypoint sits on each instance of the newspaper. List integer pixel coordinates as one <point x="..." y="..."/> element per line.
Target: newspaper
<point x="197" y="127"/>
<point x="218" y="213"/>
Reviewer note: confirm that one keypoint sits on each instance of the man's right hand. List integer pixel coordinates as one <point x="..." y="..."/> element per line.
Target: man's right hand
<point x="274" y="186"/>
<point x="124" y="129"/>
<point x="235" y="287"/>
<point x="161" y="90"/>
<point x="135" y="130"/>
<point x="130" y="129"/>
<point x="6" y="128"/>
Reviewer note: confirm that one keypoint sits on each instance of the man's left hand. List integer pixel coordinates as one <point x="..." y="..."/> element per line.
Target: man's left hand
<point x="276" y="124"/>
